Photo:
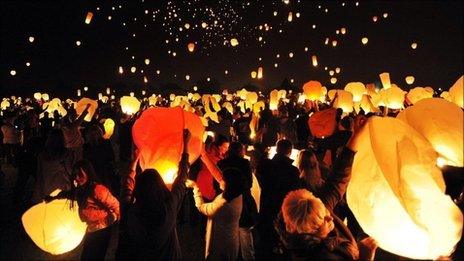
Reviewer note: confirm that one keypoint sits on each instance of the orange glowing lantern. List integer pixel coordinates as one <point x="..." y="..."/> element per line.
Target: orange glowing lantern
<point x="385" y="79"/>
<point x="323" y="123"/>
<point x="396" y="192"/>
<point x="88" y="17"/>
<point x="54" y="227"/>
<point x="366" y="104"/>
<point x="228" y="107"/>
<point x="273" y="100"/>
<point x="158" y="134"/>
<point x="37" y="96"/>
<point x="442" y="124"/>
<point x="409" y="79"/>
<point x="393" y="97"/>
<point x="344" y="101"/>
<point x="233" y="42"/>
<point x="313" y="90"/>
<point x="82" y="103"/>
<point x="191" y="47"/>
<point x="251" y="98"/>
<point x="314" y="60"/>
<point x="258" y="107"/>
<point x="417" y="94"/>
<point x="357" y="89"/>
<point x="108" y="125"/>
<point x="129" y="105"/>
<point x="456" y="92"/>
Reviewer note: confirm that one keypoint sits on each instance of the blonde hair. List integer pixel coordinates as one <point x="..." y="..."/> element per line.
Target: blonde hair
<point x="298" y="212"/>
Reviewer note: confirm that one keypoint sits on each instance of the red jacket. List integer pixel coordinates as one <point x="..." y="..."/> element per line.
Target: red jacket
<point x="100" y="209"/>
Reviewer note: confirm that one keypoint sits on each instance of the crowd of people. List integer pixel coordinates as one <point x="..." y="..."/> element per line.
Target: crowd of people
<point x="301" y="214"/>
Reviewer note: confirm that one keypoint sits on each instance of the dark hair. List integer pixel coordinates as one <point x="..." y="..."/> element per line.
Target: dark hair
<point x="150" y="194"/>
<point x="54" y="145"/>
<point x="284" y="147"/>
<point x="220" y="139"/>
<point x="85" y="191"/>
<point x="233" y="178"/>
<point x="235" y="149"/>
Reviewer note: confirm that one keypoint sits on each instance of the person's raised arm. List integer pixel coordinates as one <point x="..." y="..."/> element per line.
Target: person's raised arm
<point x="178" y="187"/>
<point x="128" y="183"/>
<point x="336" y="184"/>
<point x="207" y="209"/>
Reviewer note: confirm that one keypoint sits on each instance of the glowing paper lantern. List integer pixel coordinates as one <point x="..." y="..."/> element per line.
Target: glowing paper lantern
<point x="417" y="94"/>
<point x="456" y="92"/>
<point x="357" y="89"/>
<point x="396" y="192"/>
<point x="313" y="90"/>
<point x="82" y="103"/>
<point x="253" y="74"/>
<point x="290" y="17"/>
<point x="273" y="100"/>
<point x="191" y="47"/>
<point x="147" y="61"/>
<point x="251" y="99"/>
<point x="393" y="97"/>
<point x="129" y="105"/>
<point x="409" y="79"/>
<point x="88" y="17"/>
<point x="314" y="60"/>
<point x="108" y="125"/>
<point x="260" y="73"/>
<point x="5" y="104"/>
<point x="344" y="101"/>
<point x="385" y="79"/>
<point x="158" y="134"/>
<point x="54" y="227"/>
<point x="37" y="96"/>
<point x="364" y="40"/>
<point x="333" y="80"/>
<point x="442" y="124"/>
<point x="257" y="107"/>
<point x="323" y="123"/>
<point x="414" y="46"/>
<point x="228" y="107"/>
<point x="366" y="104"/>
<point x="233" y="42"/>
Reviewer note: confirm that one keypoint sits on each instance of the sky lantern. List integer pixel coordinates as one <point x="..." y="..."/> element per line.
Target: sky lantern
<point x="366" y="104"/>
<point x="364" y="40"/>
<point x="442" y="124"/>
<point x="129" y="105"/>
<point x="344" y="101"/>
<point x="158" y="134"/>
<point x="282" y="94"/>
<point x="331" y="94"/>
<point x="323" y="123"/>
<point x="5" y="104"/>
<point x="393" y="97"/>
<point x="37" y="96"/>
<point x="314" y="60"/>
<point x="258" y="107"/>
<point x="54" y="227"/>
<point x="187" y="25"/>
<point x="108" y="125"/>
<point x="409" y="79"/>
<point x="290" y="17"/>
<point x="88" y="17"/>
<point x="343" y="30"/>
<point x="45" y="96"/>
<point x="414" y="46"/>
<point x="191" y="47"/>
<point x="13" y="72"/>
<point x="374" y="19"/>
<point x="357" y="89"/>
<point x="82" y="103"/>
<point x="133" y="69"/>
<point x="228" y="107"/>
<point x="147" y="61"/>
<point x="214" y="103"/>
<point x="396" y="192"/>
<point x="233" y="42"/>
<point x="313" y="90"/>
<point x="333" y="80"/>
<point x="251" y="98"/>
<point x="456" y="92"/>
<point x="253" y="74"/>
<point x="416" y="94"/>
<point x="334" y="43"/>
<point x="31" y="39"/>
<point x="260" y="73"/>
<point x="385" y="79"/>
<point x="274" y="100"/>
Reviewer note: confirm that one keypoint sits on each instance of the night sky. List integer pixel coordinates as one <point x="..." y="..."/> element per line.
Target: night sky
<point x="59" y="66"/>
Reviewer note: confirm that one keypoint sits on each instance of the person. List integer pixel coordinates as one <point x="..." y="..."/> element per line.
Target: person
<point x="306" y="224"/>
<point x="276" y="177"/>
<point x="222" y="233"/>
<point x="97" y="207"/>
<point x="235" y="160"/>
<point x="54" y="167"/>
<point x="73" y="139"/>
<point x="312" y="173"/>
<point x="152" y="221"/>
<point x="10" y="138"/>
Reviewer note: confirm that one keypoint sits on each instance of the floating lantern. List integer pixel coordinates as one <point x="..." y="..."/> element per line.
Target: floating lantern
<point x="129" y="105"/>
<point x="228" y="107"/>
<point x="357" y="89"/>
<point x="4" y="104"/>
<point x="233" y="42"/>
<point x="258" y="107"/>
<point x="108" y="125"/>
<point x="456" y="92"/>
<point x="82" y="103"/>
<point x="385" y="79"/>
<point x="191" y="47"/>
<point x="158" y="134"/>
<point x="323" y="123"/>
<point x="313" y="90"/>
<point x="253" y="74"/>
<point x="344" y="101"/>
<point x="273" y="100"/>
<point x="343" y="30"/>
<point x="334" y="43"/>
<point x="88" y="17"/>
<point x="133" y="69"/>
<point x="364" y="40"/>
<point x="442" y="124"/>
<point x="251" y="99"/>
<point x="13" y="72"/>
<point x="333" y="80"/>
<point x="393" y="97"/>
<point x="37" y="96"/>
<point x="187" y="25"/>
<point x="385" y="15"/>
<point x="416" y="94"/>
<point x="31" y="39"/>
<point x="260" y="73"/>
<point x="337" y="70"/>
<point x="409" y="79"/>
<point x="374" y="19"/>
<point x="290" y="17"/>
<point x="147" y="61"/>
<point x="314" y="60"/>
<point x="414" y="46"/>
<point x="54" y="227"/>
<point x="366" y="104"/>
<point x="396" y="192"/>
<point x="45" y="97"/>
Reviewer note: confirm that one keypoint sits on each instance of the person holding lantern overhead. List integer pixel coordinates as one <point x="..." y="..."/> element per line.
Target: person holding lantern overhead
<point x="306" y="224"/>
<point x="152" y="221"/>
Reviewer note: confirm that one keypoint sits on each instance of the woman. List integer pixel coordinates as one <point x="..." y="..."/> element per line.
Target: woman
<point x="222" y="229"/>
<point x="310" y="171"/>
<point x="97" y="207"/>
<point x="152" y="232"/>
<point x="307" y="226"/>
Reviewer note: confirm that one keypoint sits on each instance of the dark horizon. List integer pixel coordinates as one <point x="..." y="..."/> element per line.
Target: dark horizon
<point x="60" y="67"/>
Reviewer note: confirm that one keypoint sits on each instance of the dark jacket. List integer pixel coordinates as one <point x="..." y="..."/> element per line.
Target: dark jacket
<point x="340" y="243"/>
<point x="248" y="217"/>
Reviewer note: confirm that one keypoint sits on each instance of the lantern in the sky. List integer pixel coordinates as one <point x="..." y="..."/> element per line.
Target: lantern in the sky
<point x="396" y="192"/>
<point x="357" y="89"/>
<point x="158" y="134"/>
<point x="260" y="73"/>
<point x="228" y="107"/>
<point x="323" y="123"/>
<point x="313" y="90"/>
<point x="54" y="227"/>
<point x="344" y="101"/>
<point x="233" y="42"/>
<point x="314" y="60"/>
<point x="456" y="92"/>
<point x="385" y="79"/>
<point x="414" y="46"/>
<point x="88" y="17"/>
<point x="251" y="98"/>
<point x="442" y="124"/>
<point x="258" y="107"/>
<point x="364" y="40"/>
<point x="108" y="125"/>
<point x="409" y="79"/>
<point x="37" y="96"/>
<point x="82" y="103"/>
<point x="290" y="17"/>
<point x="416" y="94"/>
<point x="191" y="47"/>
<point x="393" y="97"/>
<point x="273" y="100"/>
<point x="129" y="105"/>
<point x="333" y="80"/>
